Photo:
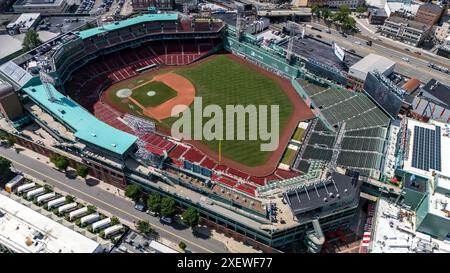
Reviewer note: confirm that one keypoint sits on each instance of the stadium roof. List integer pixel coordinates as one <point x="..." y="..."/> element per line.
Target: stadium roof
<point x="24" y="230"/>
<point x="370" y="63"/>
<point x="87" y="128"/>
<point x="126" y="23"/>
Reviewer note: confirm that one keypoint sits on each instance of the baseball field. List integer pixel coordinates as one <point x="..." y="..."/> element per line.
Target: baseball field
<point x="221" y="80"/>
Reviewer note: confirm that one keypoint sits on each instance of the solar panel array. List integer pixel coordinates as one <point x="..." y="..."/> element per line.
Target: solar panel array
<point x="426" y="152"/>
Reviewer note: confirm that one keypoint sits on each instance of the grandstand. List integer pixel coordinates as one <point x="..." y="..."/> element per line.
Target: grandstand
<point x="365" y="130"/>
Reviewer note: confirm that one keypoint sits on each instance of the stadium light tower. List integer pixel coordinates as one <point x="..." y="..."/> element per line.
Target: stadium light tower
<point x="239" y="25"/>
<point x="99" y="22"/>
<point x="289" y="52"/>
<point x="46" y="81"/>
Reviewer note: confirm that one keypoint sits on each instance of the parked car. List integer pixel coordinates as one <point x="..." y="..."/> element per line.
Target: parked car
<point x="152" y="213"/>
<point x="318" y="36"/>
<point x="352" y="50"/>
<point x="167" y="220"/>
<point x="139" y="206"/>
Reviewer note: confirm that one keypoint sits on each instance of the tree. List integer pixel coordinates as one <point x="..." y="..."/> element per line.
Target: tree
<point x="31" y="40"/>
<point x="133" y="191"/>
<point x="10" y="141"/>
<point x="154" y="202"/>
<point x="315" y="10"/>
<point x="349" y="23"/>
<point x="167" y="207"/>
<point x="82" y="171"/>
<point x="191" y="217"/>
<point x="48" y="188"/>
<point x="5" y="168"/>
<point x="182" y="245"/>
<point x="144" y="227"/>
<point x="114" y="221"/>
<point x="326" y="14"/>
<point x="60" y="162"/>
<point x="91" y="209"/>
<point x="70" y="199"/>
<point x="361" y="9"/>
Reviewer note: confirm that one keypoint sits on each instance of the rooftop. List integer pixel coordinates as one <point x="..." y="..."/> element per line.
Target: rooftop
<point x="409" y="23"/>
<point x="437" y="91"/>
<point x="432" y="8"/>
<point x="427" y="155"/>
<point x="370" y="63"/>
<point x="26" y="231"/>
<point x="87" y="128"/>
<point x="126" y="23"/>
<point x="394" y="232"/>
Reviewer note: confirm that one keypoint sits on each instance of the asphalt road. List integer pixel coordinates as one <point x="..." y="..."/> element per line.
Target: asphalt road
<point x="122" y="208"/>
<point x="416" y="67"/>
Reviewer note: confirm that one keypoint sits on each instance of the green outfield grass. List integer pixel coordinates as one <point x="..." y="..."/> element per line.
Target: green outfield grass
<point x="162" y="94"/>
<point x="223" y="81"/>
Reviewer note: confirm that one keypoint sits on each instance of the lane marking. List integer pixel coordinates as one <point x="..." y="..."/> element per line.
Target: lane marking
<point x="109" y="205"/>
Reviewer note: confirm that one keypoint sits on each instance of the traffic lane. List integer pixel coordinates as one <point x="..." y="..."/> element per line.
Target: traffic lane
<point x="115" y="205"/>
<point x="387" y="44"/>
<point x="419" y="70"/>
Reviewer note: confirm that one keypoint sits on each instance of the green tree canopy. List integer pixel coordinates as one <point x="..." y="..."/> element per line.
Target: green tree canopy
<point x="315" y="10"/>
<point x="31" y="40"/>
<point x="82" y="171"/>
<point x="182" y="245"/>
<point x="144" y="227"/>
<point x="133" y="191"/>
<point x="60" y="162"/>
<point x="361" y="9"/>
<point x="5" y="167"/>
<point x="70" y="199"/>
<point x="154" y="202"/>
<point x="326" y="13"/>
<point x="191" y="217"/>
<point x="167" y="207"/>
<point x="114" y="221"/>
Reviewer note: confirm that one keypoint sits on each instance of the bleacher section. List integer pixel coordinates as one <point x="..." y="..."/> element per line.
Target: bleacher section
<point x="365" y="125"/>
<point x="87" y="82"/>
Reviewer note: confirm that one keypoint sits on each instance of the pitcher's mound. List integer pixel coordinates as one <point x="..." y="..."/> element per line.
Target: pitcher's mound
<point x="124" y="93"/>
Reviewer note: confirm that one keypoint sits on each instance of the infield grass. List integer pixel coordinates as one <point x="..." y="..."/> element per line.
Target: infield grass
<point x="162" y="94"/>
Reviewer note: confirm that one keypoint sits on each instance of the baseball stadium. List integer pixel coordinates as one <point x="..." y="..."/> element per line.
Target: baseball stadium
<point x="104" y="97"/>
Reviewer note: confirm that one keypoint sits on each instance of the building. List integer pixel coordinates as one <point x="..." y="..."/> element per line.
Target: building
<point x="10" y="106"/>
<point x="159" y="4"/>
<point x="441" y="33"/>
<point x="429" y="14"/>
<point x="25" y="22"/>
<point x="405" y="30"/>
<point x="432" y="102"/>
<point x="41" y="6"/>
<point x="377" y="16"/>
<point x="425" y="176"/>
<point x="401" y="9"/>
<point x="394" y="230"/>
<point x="23" y="230"/>
<point x="353" y="4"/>
<point x="358" y="72"/>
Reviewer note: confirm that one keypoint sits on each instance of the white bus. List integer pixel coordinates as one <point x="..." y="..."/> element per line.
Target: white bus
<point x="100" y="224"/>
<point x="56" y="203"/>
<point x="26" y="187"/>
<point x="113" y="230"/>
<point x="67" y="207"/>
<point x="13" y="183"/>
<point x="35" y="192"/>
<point x="45" y="197"/>
<point x="77" y="213"/>
<point x="89" y="218"/>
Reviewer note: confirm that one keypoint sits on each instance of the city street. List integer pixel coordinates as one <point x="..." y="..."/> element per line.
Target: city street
<point x="416" y="66"/>
<point x="121" y="207"/>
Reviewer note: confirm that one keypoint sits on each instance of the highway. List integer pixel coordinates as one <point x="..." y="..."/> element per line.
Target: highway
<point x="122" y="208"/>
<point x="415" y="67"/>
